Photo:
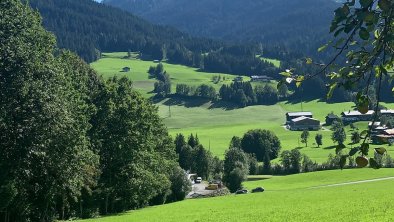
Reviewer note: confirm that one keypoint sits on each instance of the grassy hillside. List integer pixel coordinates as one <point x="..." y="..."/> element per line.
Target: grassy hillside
<point x="112" y="63"/>
<point x="217" y="123"/>
<point x="289" y="198"/>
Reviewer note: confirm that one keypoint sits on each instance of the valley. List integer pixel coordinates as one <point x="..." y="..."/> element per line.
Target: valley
<point x="216" y="123"/>
<point x="192" y="111"/>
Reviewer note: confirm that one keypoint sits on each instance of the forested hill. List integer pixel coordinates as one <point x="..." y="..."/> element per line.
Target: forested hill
<point x="297" y="24"/>
<point x="86" y="27"/>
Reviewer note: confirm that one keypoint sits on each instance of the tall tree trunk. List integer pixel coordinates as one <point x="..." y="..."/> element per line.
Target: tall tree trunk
<point x="80" y="208"/>
<point x="106" y="203"/>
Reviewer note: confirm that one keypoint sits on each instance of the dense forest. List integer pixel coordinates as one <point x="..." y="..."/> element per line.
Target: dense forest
<point x="89" y="28"/>
<point x="296" y="25"/>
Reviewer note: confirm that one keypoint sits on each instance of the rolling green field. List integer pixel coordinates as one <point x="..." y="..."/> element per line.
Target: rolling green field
<point x="216" y="123"/>
<point x="111" y="64"/>
<point x="302" y="197"/>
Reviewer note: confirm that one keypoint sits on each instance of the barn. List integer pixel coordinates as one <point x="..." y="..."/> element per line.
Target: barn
<point x="354" y="116"/>
<point x="294" y="115"/>
<point x="304" y="123"/>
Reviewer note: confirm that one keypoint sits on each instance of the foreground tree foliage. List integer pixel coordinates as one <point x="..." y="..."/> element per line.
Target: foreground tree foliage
<point x="72" y="145"/>
<point x="45" y="156"/>
<point x="363" y="33"/>
<point x="126" y="132"/>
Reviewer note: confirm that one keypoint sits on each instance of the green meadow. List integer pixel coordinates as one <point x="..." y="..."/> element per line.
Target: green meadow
<point x="273" y="61"/>
<point x="216" y="123"/>
<point x="301" y="197"/>
<point x="111" y="64"/>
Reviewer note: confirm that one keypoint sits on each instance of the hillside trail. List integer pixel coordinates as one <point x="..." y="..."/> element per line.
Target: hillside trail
<point x="354" y="182"/>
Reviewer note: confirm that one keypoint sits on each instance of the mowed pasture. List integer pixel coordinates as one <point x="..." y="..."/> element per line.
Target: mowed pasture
<point x="111" y="64"/>
<point x="216" y="123"/>
<point x="302" y="197"/>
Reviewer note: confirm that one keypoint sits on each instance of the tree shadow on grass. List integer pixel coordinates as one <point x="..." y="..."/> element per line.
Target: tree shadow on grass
<point x="190" y="102"/>
<point x="186" y="102"/>
<point x="330" y="147"/>
<point x="305" y="99"/>
<point x="224" y="105"/>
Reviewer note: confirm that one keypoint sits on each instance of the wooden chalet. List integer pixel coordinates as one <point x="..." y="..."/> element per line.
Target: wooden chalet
<point x="387" y="112"/>
<point x="355" y="116"/>
<point x="261" y="78"/>
<point x="386" y="136"/>
<point x="330" y="118"/>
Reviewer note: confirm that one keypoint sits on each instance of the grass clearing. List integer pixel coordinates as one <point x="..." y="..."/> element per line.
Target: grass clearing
<point x="286" y="198"/>
<point x="111" y="64"/>
<point x="275" y="62"/>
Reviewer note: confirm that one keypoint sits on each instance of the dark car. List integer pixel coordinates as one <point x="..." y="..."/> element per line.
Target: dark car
<point x="257" y="190"/>
<point x="241" y="192"/>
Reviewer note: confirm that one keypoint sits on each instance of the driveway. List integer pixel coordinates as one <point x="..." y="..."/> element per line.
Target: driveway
<point x="199" y="189"/>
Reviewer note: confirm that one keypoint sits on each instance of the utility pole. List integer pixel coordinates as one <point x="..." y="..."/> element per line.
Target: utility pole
<point x="302" y="94"/>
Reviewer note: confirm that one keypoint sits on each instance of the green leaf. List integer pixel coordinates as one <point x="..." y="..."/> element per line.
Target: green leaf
<point x="364" y="34"/>
<point x="322" y="48"/>
<point x="299" y="80"/>
<point x="362" y="103"/>
<point x="342" y="161"/>
<point x="364" y="149"/>
<point x="369" y="18"/>
<point x="285" y="74"/>
<point x="339" y="148"/>
<point x="376" y="34"/>
<point x="331" y="90"/>
<point x="373" y="163"/>
<point x="353" y="151"/>
<point x="384" y="5"/>
<point x="345" y="10"/>
<point x="380" y="150"/>
<point x="308" y="61"/>
<point x="364" y="134"/>
<point x="365" y="3"/>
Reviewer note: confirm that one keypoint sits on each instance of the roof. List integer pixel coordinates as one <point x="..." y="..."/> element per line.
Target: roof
<point x="375" y="124"/>
<point x="302" y="118"/>
<point x="332" y="115"/>
<point x="357" y="113"/>
<point x="384" y="136"/>
<point x="299" y="114"/>
<point x="389" y="131"/>
<point x="387" y="111"/>
<point x="261" y="77"/>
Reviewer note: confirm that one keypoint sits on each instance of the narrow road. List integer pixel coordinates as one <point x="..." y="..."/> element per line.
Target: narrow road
<point x="199" y="188"/>
<point x="355" y="182"/>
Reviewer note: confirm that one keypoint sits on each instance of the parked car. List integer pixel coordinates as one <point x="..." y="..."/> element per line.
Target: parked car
<point x="241" y="192"/>
<point x="198" y="180"/>
<point x="257" y="190"/>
